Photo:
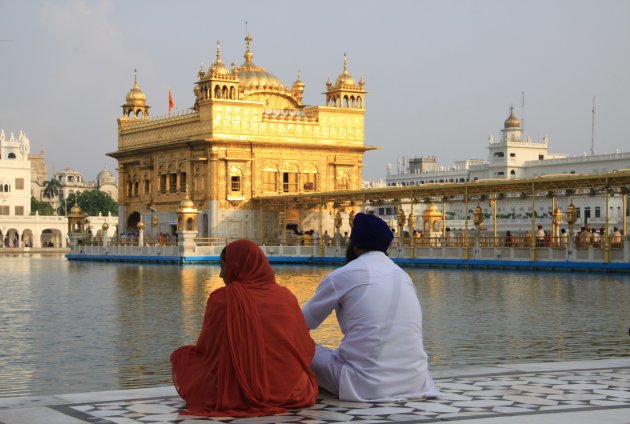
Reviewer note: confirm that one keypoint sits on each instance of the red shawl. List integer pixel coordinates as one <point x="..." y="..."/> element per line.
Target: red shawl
<point x="254" y="350"/>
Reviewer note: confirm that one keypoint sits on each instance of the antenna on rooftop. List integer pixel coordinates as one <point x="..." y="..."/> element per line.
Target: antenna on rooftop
<point x="523" y="111"/>
<point x="593" y="129"/>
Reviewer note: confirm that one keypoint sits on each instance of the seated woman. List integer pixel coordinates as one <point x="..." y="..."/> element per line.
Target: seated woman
<point x="254" y="352"/>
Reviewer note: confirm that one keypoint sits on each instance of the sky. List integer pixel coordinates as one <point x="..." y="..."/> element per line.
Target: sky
<point x="441" y="75"/>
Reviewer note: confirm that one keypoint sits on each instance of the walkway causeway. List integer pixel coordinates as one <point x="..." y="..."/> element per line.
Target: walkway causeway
<point x="592" y="391"/>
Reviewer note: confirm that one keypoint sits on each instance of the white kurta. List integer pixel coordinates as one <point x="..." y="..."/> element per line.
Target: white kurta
<point x="382" y="355"/>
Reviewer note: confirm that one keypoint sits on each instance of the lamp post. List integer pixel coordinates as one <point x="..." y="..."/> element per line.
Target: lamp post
<point x="478" y="220"/>
<point x="556" y="221"/>
<point x="141" y="233"/>
<point x="351" y="218"/>
<point x="571" y="216"/>
<point x="154" y="226"/>
<point x="412" y="224"/>
<point x="338" y="224"/>
<point x="400" y="217"/>
<point x="493" y="204"/>
<point x="105" y="226"/>
<point x="86" y="230"/>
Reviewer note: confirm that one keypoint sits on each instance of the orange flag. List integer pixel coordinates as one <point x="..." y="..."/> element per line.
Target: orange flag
<point x="171" y="102"/>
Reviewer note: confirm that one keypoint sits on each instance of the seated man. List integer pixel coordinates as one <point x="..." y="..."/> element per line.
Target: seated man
<point x="381" y="356"/>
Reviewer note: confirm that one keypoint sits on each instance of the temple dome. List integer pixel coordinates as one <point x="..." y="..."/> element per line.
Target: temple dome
<point x="105" y="176"/>
<point x="258" y="77"/>
<point x="76" y="209"/>
<point x="345" y="78"/>
<point x="136" y="96"/>
<point x="512" y="121"/>
<point x="218" y="68"/>
<point x="251" y="75"/>
<point x="187" y="205"/>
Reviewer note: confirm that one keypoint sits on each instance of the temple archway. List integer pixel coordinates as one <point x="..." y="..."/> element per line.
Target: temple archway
<point x="132" y="221"/>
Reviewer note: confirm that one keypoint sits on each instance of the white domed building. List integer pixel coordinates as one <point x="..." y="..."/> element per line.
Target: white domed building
<point x="72" y="182"/>
<point x="18" y="228"/>
<point x="106" y="182"/>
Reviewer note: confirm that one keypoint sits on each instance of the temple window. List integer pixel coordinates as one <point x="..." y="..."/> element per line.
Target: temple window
<point x="11" y="156"/>
<point x="359" y="103"/>
<point x="19" y="183"/>
<point x="182" y="182"/>
<point x="4" y="210"/>
<point x="224" y="92"/>
<point x="147" y="187"/>
<point x="289" y="182"/>
<point x="172" y="183"/>
<point x="344" y="182"/>
<point x="232" y="93"/>
<point x="136" y="190"/>
<point x="310" y="182"/>
<point x="217" y="92"/>
<point x="129" y="189"/>
<point x="269" y="180"/>
<point x="163" y="183"/>
<point x="19" y="210"/>
<point x="345" y="101"/>
<point x="235" y="183"/>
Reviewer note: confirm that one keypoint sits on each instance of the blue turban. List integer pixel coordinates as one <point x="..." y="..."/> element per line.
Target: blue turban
<point x="370" y="232"/>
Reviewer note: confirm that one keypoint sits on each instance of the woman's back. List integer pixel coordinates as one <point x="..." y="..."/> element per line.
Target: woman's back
<point x="254" y="351"/>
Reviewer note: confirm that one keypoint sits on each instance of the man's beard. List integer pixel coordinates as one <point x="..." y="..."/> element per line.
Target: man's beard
<point x="350" y="255"/>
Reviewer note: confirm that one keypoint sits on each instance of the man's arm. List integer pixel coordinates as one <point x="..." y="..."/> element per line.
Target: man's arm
<point x="321" y="304"/>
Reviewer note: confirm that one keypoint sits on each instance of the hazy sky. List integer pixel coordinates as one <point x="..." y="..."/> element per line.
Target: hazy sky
<point x="440" y="75"/>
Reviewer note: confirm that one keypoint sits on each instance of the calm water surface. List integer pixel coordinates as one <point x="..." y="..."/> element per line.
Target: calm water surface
<point x="77" y="327"/>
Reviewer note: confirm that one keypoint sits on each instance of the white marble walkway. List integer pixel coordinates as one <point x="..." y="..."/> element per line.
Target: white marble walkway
<point x="558" y="392"/>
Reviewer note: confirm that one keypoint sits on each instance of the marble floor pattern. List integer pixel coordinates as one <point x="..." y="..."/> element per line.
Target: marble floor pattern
<point x="464" y="397"/>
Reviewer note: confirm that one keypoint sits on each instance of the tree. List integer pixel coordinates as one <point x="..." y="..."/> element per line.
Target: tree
<point x="52" y="188"/>
<point x="43" y="208"/>
<point x="94" y="202"/>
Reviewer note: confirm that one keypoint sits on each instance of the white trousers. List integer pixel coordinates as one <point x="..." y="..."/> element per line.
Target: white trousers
<point x="327" y="368"/>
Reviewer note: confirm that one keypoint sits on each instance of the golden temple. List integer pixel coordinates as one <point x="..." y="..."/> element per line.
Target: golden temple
<point x="246" y="136"/>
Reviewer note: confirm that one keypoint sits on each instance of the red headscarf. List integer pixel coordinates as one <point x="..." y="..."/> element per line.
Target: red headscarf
<point x="254" y="351"/>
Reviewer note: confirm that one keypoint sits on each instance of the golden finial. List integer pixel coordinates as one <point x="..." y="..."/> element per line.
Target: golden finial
<point x="135" y="76"/>
<point x="248" y="53"/>
<point x="218" y="51"/>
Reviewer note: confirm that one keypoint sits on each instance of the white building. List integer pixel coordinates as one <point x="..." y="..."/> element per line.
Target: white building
<point x="18" y="228"/>
<point x="512" y="156"/>
<point x="72" y="182"/>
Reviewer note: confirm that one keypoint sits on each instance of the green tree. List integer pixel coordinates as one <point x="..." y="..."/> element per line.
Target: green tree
<point x="44" y="208"/>
<point x="52" y="188"/>
<point x="93" y="202"/>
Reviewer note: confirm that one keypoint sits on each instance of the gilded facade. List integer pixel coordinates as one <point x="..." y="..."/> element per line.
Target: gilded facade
<point x="247" y="135"/>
